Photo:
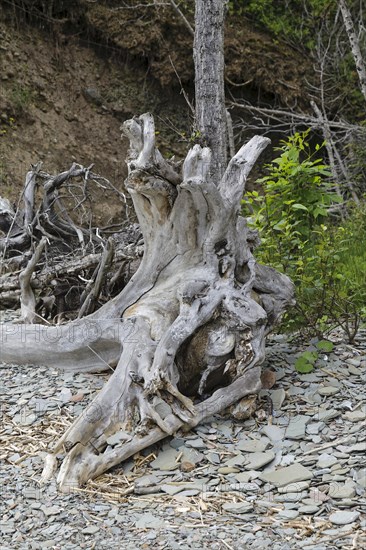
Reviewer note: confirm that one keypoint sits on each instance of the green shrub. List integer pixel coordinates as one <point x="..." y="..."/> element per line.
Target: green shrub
<point x="21" y="97"/>
<point x="285" y="20"/>
<point x="325" y="262"/>
<point x="356" y="158"/>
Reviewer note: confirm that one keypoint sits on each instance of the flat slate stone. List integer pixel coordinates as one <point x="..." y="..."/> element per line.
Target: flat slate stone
<point x="237" y="507"/>
<point x="354" y="370"/>
<point x="295" y="390"/>
<point x="162" y="408"/>
<point x="214" y="458"/>
<point x="25" y="418"/>
<point x="323" y="415"/>
<point x="225" y="429"/>
<point x="166" y="460"/>
<point x="285" y="476"/>
<point x="355" y="416"/>
<point x="177" y="442"/>
<point x="343" y="518"/>
<point x="294" y="487"/>
<point x="361" y="479"/>
<point x="118" y="437"/>
<point x="296" y="496"/>
<point x="308" y="509"/>
<point x="326" y="460"/>
<point x="149" y="521"/>
<point x="313" y="428"/>
<point x="7" y="528"/>
<point x="237" y="460"/>
<point x="297" y="426"/>
<point x="197" y="443"/>
<point x="228" y="470"/>
<point x="91" y="530"/>
<point x="288" y="514"/>
<point x="252" y="445"/>
<point x="146" y="481"/>
<point x="258" y="460"/>
<point x="51" y="510"/>
<point x="191" y="455"/>
<point x="274" y="433"/>
<point x="358" y="447"/>
<point x="354" y="361"/>
<point x="310" y="377"/>
<point x="171" y="489"/>
<point x="278" y="397"/>
<point x="328" y="390"/>
<point x="316" y="497"/>
<point x="336" y="490"/>
<point x="244" y="477"/>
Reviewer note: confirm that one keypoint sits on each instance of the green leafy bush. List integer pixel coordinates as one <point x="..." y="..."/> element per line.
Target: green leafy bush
<point x="356" y="158"/>
<point x="285" y="20"/>
<point x="325" y="261"/>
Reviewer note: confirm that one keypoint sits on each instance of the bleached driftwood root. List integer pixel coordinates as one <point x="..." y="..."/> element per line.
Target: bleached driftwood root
<point x="187" y="333"/>
<point x="77" y="271"/>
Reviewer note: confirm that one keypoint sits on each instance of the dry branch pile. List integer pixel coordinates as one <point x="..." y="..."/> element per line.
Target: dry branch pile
<point x="55" y="261"/>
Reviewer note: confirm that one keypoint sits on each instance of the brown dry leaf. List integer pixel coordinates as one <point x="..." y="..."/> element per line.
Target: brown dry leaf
<point x="77" y="397"/>
<point x="245" y="408"/>
<point x="268" y="379"/>
<point x="187" y="466"/>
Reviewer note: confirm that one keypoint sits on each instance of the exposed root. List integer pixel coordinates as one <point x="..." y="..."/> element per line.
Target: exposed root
<point x="188" y="330"/>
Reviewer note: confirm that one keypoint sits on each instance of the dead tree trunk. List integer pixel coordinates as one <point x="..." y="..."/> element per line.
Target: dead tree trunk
<point x="208" y="54"/>
<point x="187" y="333"/>
<point x="355" y="45"/>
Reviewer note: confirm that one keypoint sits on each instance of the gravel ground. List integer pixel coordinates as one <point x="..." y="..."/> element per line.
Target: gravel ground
<point x="292" y="476"/>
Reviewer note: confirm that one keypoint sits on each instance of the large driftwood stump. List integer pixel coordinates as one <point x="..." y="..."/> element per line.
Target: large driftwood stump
<point x="187" y="333"/>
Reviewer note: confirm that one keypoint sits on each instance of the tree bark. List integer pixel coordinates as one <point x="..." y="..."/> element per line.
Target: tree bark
<point x="355" y="45"/>
<point x="208" y="54"/>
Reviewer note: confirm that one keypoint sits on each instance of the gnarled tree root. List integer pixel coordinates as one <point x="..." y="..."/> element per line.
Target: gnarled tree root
<point x="88" y="460"/>
<point x="187" y="332"/>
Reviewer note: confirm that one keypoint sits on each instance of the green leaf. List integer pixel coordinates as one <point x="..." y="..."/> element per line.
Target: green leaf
<point x="325" y="172"/>
<point x="303" y="366"/>
<point x="310" y="356"/>
<point x="325" y="345"/>
<point x="320" y="212"/>
<point x="298" y="206"/>
<point x="280" y="225"/>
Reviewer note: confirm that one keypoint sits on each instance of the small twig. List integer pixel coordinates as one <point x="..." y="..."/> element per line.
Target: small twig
<point x="238" y="85"/>
<point x="181" y="87"/>
<point x="331" y="443"/>
<point x="227" y="545"/>
<point x="91" y="298"/>
<point x="183" y="17"/>
<point x="27" y="298"/>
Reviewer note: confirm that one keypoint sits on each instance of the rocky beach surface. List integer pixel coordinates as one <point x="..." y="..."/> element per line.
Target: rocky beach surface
<point x="290" y="476"/>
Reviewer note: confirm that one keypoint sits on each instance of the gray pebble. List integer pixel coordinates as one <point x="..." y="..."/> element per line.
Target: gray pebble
<point x="343" y="518"/>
